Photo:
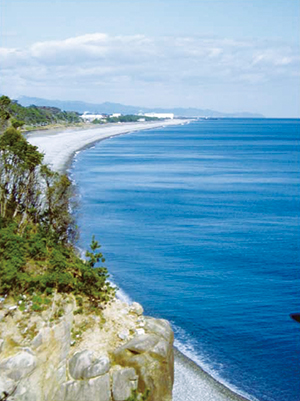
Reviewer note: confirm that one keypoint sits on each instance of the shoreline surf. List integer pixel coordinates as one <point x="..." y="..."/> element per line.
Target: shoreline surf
<point x="59" y="148"/>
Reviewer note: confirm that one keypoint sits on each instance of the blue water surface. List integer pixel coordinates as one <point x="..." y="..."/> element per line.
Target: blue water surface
<point x="200" y="224"/>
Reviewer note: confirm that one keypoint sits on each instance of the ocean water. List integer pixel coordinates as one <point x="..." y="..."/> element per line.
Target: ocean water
<point x="200" y="223"/>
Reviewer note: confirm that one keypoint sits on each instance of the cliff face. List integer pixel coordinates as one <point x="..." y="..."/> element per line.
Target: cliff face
<point x="59" y="355"/>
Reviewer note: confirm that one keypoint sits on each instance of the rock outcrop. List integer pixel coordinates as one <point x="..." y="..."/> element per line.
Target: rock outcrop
<point x="58" y="355"/>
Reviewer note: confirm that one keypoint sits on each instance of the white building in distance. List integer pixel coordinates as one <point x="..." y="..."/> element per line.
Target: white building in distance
<point x="160" y="115"/>
<point x="87" y="116"/>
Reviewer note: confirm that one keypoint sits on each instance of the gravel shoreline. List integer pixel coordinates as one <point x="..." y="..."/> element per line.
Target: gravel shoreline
<point x="60" y="147"/>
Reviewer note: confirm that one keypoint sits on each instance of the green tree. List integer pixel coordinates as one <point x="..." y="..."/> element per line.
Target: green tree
<point x="4" y="113"/>
<point x="55" y="215"/>
<point x="16" y="123"/>
<point x="94" y="256"/>
<point x="19" y="160"/>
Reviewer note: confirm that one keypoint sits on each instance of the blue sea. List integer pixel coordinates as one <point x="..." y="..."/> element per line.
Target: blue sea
<point x="200" y="223"/>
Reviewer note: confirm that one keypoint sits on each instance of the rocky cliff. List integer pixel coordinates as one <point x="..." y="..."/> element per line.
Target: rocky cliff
<point x="58" y="354"/>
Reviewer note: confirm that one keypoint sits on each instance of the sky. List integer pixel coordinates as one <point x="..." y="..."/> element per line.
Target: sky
<point x="225" y="55"/>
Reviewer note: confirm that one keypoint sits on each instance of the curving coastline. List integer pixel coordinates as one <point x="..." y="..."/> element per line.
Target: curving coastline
<point x="59" y="148"/>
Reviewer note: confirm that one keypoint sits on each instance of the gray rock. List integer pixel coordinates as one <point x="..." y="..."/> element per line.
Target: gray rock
<point x="29" y="350"/>
<point x="88" y="390"/>
<point x="161" y="349"/>
<point x="139" y="331"/>
<point x="38" y="340"/>
<point x="99" y="367"/>
<point x="136" y="308"/>
<point x="2" y="315"/>
<point x="79" y="362"/>
<point x="44" y="372"/>
<point x="83" y="365"/>
<point x="24" y="392"/>
<point x="57" y="378"/>
<point x="61" y="373"/>
<point x="159" y="327"/>
<point x="7" y="386"/>
<point x="1" y="344"/>
<point x="123" y="335"/>
<point x="123" y="382"/>
<point x="141" y="343"/>
<point x="43" y="336"/>
<point x="18" y="366"/>
<point x="151" y="355"/>
<point x="62" y="334"/>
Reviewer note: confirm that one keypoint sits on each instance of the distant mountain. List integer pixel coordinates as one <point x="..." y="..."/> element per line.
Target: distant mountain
<point x="108" y="108"/>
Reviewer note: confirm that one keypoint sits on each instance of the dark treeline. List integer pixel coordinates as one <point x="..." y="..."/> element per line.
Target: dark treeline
<point x="36" y="228"/>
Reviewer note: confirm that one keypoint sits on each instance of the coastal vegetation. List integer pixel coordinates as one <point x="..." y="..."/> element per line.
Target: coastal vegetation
<point x="37" y="231"/>
<point x="129" y="118"/>
<point x="42" y="117"/>
<point x="35" y="115"/>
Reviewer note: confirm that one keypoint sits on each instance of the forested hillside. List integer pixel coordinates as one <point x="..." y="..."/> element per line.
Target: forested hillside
<point x="36" y="228"/>
<point x="39" y="115"/>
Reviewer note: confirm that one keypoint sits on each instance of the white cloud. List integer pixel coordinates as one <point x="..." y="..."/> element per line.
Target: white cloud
<point x="11" y="58"/>
<point x="120" y="62"/>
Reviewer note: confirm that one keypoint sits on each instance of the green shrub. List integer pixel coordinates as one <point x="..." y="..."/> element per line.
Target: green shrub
<point x="37" y="247"/>
<point x="52" y="267"/>
<point x="136" y="396"/>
